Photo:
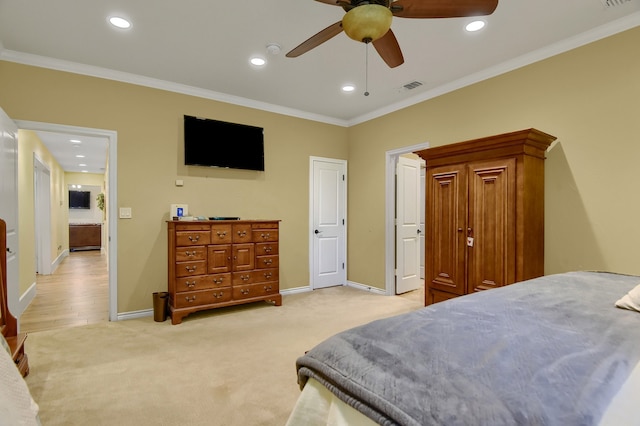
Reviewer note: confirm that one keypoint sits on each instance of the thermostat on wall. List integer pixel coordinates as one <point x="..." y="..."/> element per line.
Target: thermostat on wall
<point x="179" y="210"/>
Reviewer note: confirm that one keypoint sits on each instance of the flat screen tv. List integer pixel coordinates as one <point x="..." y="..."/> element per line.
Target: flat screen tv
<point x="214" y="143"/>
<point x="79" y="199"/>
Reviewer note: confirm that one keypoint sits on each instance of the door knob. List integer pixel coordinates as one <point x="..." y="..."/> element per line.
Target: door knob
<point x="419" y="231"/>
<point x="317" y="232"/>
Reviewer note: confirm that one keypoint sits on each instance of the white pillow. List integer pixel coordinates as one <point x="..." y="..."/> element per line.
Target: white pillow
<point x="630" y="300"/>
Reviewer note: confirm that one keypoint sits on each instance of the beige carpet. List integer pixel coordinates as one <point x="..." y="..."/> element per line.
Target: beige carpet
<point x="232" y="366"/>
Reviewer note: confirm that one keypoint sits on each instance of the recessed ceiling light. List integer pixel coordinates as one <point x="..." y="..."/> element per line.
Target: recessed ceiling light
<point x="257" y="61"/>
<point x="75" y="141"/>
<point x="79" y="156"/>
<point x="119" y="22"/>
<point x="82" y="165"/>
<point x="475" y="26"/>
<point x="85" y="171"/>
<point x="348" y="88"/>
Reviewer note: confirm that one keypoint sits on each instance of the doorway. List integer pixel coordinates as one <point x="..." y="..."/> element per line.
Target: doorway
<point x="391" y="161"/>
<point x="111" y="231"/>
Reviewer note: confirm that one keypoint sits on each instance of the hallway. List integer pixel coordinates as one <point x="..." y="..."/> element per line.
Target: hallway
<point x="77" y="293"/>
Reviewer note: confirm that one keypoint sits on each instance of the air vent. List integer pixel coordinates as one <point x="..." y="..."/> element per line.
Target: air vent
<point x="412" y="85"/>
<point x="614" y="3"/>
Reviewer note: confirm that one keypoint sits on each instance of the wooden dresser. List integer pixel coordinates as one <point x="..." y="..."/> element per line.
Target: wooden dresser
<point x="222" y="263"/>
<point x="484" y="213"/>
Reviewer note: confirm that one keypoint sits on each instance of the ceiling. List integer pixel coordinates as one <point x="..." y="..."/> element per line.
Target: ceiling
<point x="203" y="48"/>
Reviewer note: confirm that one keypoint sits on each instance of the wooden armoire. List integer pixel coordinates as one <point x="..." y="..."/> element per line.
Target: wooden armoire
<point x="484" y="225"/>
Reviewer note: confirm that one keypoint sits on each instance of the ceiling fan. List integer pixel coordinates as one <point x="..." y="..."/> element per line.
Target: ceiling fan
<point x="370" y="21"/>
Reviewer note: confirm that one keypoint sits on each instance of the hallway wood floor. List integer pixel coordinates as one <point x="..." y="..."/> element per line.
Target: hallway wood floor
<point x="77" y="293"/>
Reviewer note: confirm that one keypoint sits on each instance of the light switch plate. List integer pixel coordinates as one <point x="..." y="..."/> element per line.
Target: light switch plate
<point x="125" y="212"/>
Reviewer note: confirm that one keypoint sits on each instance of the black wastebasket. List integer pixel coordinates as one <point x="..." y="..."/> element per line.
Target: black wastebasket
<point x="160" y="301"/>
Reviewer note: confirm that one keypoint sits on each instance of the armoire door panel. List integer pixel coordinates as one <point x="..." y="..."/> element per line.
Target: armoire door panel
<point x="491" y="224"/>
<point x="447" y="194"/>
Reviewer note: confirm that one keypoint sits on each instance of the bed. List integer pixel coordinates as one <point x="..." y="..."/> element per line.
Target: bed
<point x="16" y="405"/>
<point x="554" y="350"/>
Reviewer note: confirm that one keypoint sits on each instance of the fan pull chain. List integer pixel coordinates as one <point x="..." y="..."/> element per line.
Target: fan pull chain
<point x="366" y="70"/>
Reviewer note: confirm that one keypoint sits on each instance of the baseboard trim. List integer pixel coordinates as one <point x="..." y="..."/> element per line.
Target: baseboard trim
<point x="58" y="260"/>
<point x="25" y="300"/>
<point x="366" y="288"/>
<point x="134" y="314"/>
<point x="296" y="290"/>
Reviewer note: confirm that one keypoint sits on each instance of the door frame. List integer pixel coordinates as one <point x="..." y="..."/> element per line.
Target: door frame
<point x="312" y="159"/>
<point x="111" y="196"/>
<point x="391" y="160"/>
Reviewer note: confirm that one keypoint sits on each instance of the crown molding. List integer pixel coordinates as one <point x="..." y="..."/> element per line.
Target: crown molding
<point x="612" y="28"/>
<point x="598" y="33"/>
<point x="109" y="74"/>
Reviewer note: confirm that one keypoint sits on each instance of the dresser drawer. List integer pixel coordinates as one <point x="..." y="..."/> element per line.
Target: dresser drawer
<point x="187" y="254"/>
<point x="267" y="262"/>
<point x="264" y="225"/>
<point x="221" y="234"/>
<point x="264" y="249"/>
<point x="252" y="277"/>
<point x="203" y="282"/>
<point x="202" y="297"/>
<point x="242" y="233"/>
<point x="262" y="235"/>
<point x="192" y="238"/>
<point x="254" y="290"/>
<point x="186" y="269"/>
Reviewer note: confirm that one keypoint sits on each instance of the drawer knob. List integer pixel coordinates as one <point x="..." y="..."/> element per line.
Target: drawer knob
<point x="190" y="298"/>
<point x="242" y="233"/>
<point x="268" y="288"/>
<point x="268" y="261"/>
<point x="245" y="277"/>
<point x="221" y="234"/>
<point x="218" y="280"/>
<point x="191" y="268"/>
<point x="265" y="236"/>
<point x="192" y="238"/>
<point x="268" y="274"/>
<point x="244" y="291"/>
<point x="219" y="295"/>
<point x="268" y="249"/>
<point x="190" y="284"/>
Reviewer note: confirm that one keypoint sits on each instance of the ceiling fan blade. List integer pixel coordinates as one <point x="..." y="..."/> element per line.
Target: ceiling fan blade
<point x="442" y="8"/>
<point x="389" y="49"/>
<point x="316" y="40"/>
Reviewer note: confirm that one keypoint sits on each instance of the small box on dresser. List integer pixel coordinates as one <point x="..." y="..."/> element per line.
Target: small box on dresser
<point x="217" y="263"/>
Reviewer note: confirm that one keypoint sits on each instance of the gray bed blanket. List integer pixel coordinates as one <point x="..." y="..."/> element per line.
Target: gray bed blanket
<point x="548" y="351"/>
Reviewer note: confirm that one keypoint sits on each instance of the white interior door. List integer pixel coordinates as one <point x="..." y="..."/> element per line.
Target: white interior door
<point x="42" y="195"/>
<point x="328" y="222"/>
<point x="9" y="204"/>
<point x="408" y="225"/>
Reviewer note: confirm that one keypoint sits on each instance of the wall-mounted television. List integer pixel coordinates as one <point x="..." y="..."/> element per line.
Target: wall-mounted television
<point x="79" y="199"/>
<point x="214" y="143"/>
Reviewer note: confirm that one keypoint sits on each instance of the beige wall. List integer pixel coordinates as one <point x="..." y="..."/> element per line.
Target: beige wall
<point x="589" y="98"/>
<point x="28" y="146"/>
<point x="149" y="130"/>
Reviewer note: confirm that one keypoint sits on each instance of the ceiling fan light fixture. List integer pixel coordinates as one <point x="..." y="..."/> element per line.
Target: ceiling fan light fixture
<point x="367" y="22"/>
